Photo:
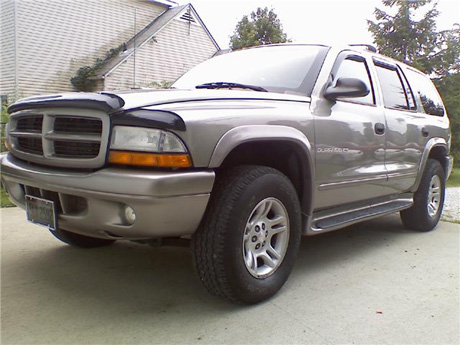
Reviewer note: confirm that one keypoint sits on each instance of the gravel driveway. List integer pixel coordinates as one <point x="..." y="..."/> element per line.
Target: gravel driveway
<point x="452" y="204"/>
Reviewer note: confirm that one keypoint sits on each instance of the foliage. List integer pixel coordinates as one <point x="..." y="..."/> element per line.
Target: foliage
<point x="82" y="80"/>
<point x="416" y="42"/>
<point x="419" y="44"/>
<point x="263" y="27"/>
<point x="3" y="121"/>
<point x="449" y="88"/>
<point x="454" y="179"/>
<point x="164" y="84"/>
<point x="4" y="200"/>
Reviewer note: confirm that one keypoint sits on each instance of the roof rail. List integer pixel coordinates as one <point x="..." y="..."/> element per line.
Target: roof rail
<point x="367" y="46"/>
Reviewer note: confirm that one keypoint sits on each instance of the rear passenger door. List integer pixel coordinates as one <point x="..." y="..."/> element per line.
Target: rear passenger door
<point x="405" y="128"/>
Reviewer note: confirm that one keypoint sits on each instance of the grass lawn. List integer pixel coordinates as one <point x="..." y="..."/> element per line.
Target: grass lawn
<point x="454" y="179"/>
<point x="4" y="201"/>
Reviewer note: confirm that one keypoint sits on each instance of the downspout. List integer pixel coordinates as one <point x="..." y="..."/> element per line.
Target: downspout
<point x="134" y="49"/>
<point x="16" y="65"/>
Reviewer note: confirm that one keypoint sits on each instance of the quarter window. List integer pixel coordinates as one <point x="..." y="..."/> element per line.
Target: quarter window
<point x="429" y="96"/>
<point x="394" y="96"/>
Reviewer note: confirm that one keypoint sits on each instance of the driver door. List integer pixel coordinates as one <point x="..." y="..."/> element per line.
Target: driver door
<point x="350" y="141"/>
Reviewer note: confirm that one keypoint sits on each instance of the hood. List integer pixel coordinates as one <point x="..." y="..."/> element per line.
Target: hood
<point x="150" y="98"/>
<point x="126" y="100"/>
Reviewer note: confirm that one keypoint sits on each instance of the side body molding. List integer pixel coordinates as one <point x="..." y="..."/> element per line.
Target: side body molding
<point x="430" y="145"/>
<point x="245" y="134"/>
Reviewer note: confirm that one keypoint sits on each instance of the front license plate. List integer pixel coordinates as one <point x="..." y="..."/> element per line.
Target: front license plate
<point x="41" y="212"/>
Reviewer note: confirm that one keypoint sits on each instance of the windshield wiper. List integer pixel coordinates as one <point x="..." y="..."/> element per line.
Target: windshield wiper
<point x="227" y="85"/>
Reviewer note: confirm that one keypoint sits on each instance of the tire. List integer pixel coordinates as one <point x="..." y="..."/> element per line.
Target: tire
<point x="238" y="254"/>
<point x="78" y="240"/>
<point x="426" y="211"/>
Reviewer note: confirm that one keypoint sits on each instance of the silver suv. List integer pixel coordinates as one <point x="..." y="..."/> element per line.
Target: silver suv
<point x="248" y="152"/>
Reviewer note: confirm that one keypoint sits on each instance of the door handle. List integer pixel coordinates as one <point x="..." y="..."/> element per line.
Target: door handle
<point x="379" y="128"/>
<point x="425" y="132"/>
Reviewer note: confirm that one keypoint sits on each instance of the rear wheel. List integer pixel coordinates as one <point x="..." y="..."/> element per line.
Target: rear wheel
<point x="247" y="243"/>
<point x="424" y="215"/>
<point x="78" y="240"/>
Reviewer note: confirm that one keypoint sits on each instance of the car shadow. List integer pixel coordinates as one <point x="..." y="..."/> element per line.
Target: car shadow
<point x="132" y="276"/>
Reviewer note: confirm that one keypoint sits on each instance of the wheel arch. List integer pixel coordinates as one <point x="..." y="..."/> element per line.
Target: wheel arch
<point x="436" y="148"/>
<point x="283" y="148"/>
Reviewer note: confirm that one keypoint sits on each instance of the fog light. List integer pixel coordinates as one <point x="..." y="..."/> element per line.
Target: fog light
<point x="130" y="215"/>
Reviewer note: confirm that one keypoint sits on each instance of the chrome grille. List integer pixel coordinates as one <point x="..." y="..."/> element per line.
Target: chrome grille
<point x="62" y="139"/>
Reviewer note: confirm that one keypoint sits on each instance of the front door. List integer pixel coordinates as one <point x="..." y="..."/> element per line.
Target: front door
<point x="350" y="142"/>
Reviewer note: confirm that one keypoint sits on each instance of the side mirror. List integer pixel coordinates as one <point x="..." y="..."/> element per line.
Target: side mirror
<point x="346" y="87"/>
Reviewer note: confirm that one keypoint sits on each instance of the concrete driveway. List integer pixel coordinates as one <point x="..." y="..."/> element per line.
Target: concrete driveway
<point x="374" y="283"/>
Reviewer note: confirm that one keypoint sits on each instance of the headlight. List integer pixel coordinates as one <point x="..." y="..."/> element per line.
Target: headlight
<point x="145" y="140"/>
<point x="147" y="147"/>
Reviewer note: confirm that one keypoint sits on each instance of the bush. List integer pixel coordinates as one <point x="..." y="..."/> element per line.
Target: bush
<point x="3" y="121"/>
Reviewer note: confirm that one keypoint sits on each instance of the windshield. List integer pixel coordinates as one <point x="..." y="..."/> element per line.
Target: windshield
<point x="284" y="69"/>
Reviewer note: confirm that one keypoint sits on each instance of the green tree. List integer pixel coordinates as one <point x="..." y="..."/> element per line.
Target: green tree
<point x="418" y="43"/>
<point x="449" y="88"/>
<point x="263" y="27"/>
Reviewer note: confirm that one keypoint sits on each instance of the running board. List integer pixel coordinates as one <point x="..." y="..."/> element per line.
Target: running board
<point x="340" y="217"/>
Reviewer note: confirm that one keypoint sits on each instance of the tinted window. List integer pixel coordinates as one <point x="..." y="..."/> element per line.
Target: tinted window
<point x="392" y="87"/>
<point x="353" y="68"/>
<point x="428" y="94"/>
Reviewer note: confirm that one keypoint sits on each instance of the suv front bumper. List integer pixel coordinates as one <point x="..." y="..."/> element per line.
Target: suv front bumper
<point x="166" y="203"/>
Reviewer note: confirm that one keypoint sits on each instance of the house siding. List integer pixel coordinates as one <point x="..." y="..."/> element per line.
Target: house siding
<point x="174" y="50"/>
<point x="7" y="49"/>
<point x="57" y="37"/>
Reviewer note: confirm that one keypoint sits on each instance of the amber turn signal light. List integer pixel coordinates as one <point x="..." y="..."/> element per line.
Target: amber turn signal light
<point x="163" y="160"/>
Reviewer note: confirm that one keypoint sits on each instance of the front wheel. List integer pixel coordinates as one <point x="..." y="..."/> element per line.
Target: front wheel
<point x="426" y="211"/>
<point x="247" y="243"/>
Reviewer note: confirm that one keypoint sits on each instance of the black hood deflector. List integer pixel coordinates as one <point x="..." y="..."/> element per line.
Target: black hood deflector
<point x="104" y="101"/>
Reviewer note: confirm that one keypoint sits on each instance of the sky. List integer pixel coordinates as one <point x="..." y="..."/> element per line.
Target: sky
<point x="308" y="21"/>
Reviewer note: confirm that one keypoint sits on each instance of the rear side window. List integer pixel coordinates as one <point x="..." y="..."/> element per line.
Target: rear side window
<point x="429" y="96"/>
<point x="394" y="96"/>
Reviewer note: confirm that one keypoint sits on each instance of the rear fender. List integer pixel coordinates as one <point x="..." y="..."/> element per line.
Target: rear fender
<point x="431" y="144"/>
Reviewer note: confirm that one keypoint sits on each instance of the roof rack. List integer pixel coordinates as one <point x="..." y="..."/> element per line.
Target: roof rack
<point x="367" y="46"/>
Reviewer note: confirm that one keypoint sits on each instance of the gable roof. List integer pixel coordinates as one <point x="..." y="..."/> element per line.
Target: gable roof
<point x="146" y="34"/>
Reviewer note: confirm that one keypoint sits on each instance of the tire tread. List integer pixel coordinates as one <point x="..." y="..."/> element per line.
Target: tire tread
<point x="210" y="237"/>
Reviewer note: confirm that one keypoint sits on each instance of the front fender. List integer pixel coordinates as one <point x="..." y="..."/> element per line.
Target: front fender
<point x="243" y="134"/>
<point x="246" y="134"/>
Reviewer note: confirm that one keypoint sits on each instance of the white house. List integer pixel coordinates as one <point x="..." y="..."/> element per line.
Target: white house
<point x="45" y="42"/>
